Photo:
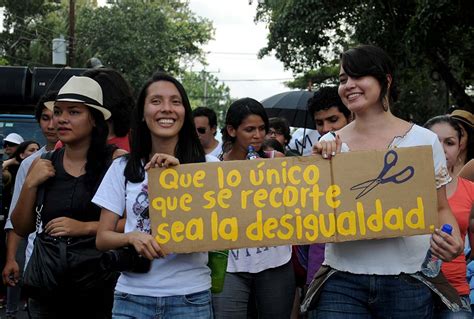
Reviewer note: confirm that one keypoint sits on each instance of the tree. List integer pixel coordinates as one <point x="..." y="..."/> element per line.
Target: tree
<point x="139" y="38"/>
<point x="430" y="37"/>
<point x="204" y="89"/>
<point x="134" y="37"/>
<point x="21" y="30"/>
<point x="324" y="75"/>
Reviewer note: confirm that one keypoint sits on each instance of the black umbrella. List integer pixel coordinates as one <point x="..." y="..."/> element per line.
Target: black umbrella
<point x="291" y="105"/>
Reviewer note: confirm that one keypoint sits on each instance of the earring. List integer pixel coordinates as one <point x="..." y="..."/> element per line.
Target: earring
<point x="385" y="103"/>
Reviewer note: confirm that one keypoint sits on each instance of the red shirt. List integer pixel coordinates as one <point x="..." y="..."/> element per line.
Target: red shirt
<point x="461" y="203"/>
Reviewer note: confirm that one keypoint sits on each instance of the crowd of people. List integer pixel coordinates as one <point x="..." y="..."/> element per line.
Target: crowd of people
<point x="78" y="231"/>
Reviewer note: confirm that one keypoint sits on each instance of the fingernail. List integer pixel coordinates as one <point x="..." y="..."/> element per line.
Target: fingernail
<point x="325" y="155"/>
<point x="333" y="153"/>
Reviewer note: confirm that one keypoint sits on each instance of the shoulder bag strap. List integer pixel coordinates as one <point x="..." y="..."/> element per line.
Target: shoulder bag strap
<point x="40" y="194"/>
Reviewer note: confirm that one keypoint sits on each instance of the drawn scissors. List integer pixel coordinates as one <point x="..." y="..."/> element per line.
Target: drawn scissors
<point x="390" y="160"/>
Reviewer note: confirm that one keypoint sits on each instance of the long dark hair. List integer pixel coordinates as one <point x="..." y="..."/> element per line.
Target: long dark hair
<point x="22" y="148"/>
<point x="99" y="154"/>
<point x="117" y="97"/>
<point x="236" y="114"/>
<point x="370" y="60"/>
<point x="188" y="149"/>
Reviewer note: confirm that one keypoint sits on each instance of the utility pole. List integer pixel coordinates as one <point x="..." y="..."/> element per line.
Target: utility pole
<point x="72" y="23"/>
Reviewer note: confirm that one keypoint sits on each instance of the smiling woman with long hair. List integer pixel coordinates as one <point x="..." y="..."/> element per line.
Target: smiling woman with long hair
<point x="380" y="278"/>
<point x="163" y="134"/>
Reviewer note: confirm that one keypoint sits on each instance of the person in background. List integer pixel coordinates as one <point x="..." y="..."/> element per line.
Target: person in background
<point x="205" y="120"/>
<point x="329" y="115"/>
<point x="11" y="142"/>
<point x="69" y="180"/>
<point x="270" y="145"/>
<point x="10" y="168"/>
<point x="464" y="166"/>
<point x="256" y="277"/>
<point x="460" y="194"/>
<point x="163" y="134"/>
<point x="465" y="119"/>
<point x="386" y="268"/>
<point x="11" y="165"/>
<point x="328" y="111"/>
<point x="18" y="248"/>
<point x="303" y="140"/>
<point x="118" y="99"/>
<point x="279" y="130"/>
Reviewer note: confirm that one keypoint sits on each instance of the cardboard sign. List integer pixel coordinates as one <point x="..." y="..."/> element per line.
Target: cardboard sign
<point x="293" y="200"/>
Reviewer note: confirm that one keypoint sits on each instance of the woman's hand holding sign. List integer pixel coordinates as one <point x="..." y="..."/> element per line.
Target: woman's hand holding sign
<point x="328" y="145"/>
<point x="161" y="160"/>
<point x="145" y="245"/>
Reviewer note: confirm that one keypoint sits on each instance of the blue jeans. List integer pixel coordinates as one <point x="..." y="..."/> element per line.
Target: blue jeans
<point x="268" y="294"/>
<point x="197" y="305"/>
<point x="351" y="296"/>
<point x="14" y="293"/>
<point x="442" y="312"/>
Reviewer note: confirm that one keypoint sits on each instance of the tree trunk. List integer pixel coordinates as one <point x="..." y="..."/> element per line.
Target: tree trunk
<point x="458" y="92"/>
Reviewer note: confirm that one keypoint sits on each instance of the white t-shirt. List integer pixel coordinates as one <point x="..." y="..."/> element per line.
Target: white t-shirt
<point x="19" y="180"/>
<point x="302" y="141"/>
<point x="254" y="260"/>
<point x="217" y="151"/>
<point x="391" y="256"/>
<point x="176" y="274"/>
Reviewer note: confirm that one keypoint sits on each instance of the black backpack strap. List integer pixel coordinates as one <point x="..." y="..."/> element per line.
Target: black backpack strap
<point x="40" y="194"/>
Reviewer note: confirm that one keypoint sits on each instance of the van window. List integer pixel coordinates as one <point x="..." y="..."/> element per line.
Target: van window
<point x="25" y="125"/>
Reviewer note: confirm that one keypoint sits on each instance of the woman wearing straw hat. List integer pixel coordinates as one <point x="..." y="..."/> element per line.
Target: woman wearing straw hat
<point x="69" y="181"/>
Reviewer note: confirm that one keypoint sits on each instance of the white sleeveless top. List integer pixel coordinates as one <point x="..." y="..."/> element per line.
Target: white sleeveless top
<point x="390" y="256"/>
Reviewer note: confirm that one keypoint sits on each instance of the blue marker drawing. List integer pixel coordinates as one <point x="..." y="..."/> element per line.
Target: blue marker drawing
<point x="390" y="160"/>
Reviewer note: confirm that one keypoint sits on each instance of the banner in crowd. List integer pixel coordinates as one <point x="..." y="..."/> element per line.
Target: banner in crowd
<point x="293" y="200"/>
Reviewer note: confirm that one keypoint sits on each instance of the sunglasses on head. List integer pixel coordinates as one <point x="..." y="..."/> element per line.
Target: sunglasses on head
<point x="9" y="144"/>
<point x="201" y="130"/>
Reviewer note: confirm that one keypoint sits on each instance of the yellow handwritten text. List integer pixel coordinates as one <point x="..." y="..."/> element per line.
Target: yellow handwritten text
<point x="172" y="203"/>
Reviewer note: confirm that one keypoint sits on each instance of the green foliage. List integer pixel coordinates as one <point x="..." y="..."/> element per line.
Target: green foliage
<point x="325" y="75"/>
<point x="134" y="37"/>
<point x="422" y="36"/>
<point x="204" y="89"/>
<point x="140" y="38"/>
<point x="3" y="61"/>
<point x="22" y="25"/>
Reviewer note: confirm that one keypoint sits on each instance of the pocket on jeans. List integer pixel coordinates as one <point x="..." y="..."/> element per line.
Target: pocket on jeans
<point x="120" y="295"/>
<point x="198" y="298"/>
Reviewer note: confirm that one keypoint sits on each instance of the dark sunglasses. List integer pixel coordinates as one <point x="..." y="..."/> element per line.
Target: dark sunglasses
<point x="9" y="144"/>
<point x="201" y="130"/>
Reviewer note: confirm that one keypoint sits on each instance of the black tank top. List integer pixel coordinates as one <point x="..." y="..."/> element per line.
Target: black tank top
<point x="68" y="196"/>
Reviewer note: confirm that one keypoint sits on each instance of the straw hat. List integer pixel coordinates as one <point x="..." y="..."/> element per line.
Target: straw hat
<point x="463" y="116"/>
<point x="81" y="89"/>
